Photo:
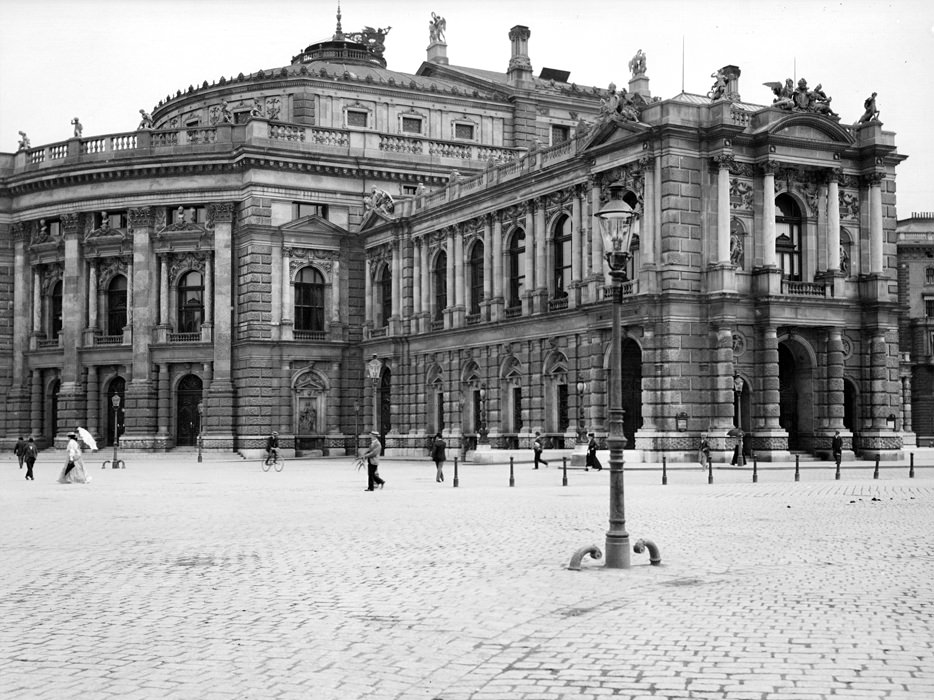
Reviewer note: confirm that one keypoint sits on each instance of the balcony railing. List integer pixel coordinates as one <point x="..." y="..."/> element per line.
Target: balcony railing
<point x="558" y="304"/>
<point x="473" y="319"/>
<point x="513" y="311"/>
<point x="184" y="337"/>
<point x="45" y="344"/>
<point x="108" y="339"/>
<point x="310" y="335"/>
<point x="378" y="332"/>
<point x="437" y="325"/>
<point x="805" y="289"/>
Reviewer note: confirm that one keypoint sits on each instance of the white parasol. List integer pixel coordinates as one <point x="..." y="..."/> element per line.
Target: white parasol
<point x="87" y="438"/>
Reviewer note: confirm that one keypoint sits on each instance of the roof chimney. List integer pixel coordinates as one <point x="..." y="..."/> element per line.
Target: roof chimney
<point x="520" y="68"/>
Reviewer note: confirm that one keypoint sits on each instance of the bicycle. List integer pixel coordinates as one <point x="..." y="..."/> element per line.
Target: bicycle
<point x="274" y="460"/>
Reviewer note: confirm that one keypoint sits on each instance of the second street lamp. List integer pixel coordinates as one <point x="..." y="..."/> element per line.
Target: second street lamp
<point x="617" y="220"/>
<point x="200" y="428"/>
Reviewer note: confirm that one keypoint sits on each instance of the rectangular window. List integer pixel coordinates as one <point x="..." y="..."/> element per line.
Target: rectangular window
<point x="356" y="118"/>
<point x="559" y="134"/>
<point x="564" y="419"/>
<point x="411" y="125"/>
<point x="302" y="209"/>
<point x="411" y="190"/>
<point x="463" y="131"/>
<point x="929" y="308"/>
<point x="55" y="228"/>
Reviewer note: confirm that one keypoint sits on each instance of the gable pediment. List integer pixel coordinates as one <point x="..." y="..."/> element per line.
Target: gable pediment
<point x="312" y="224"/>
<point x="374" y="218"/>
<point x="614" y="130"/>
<point x="808" y="127"/>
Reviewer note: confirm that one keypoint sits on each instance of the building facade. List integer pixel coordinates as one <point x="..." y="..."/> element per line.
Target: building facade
<point x="332" y="246"/>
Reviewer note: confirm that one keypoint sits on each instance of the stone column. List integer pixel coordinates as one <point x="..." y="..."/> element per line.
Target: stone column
<point x="543" y="278"/>
<point x="276" y="292"/>
<point x="723" y="208"/>
<point x="35" y="406"/>
<point x="163" y="290"/>
<point x="368" y="293"/>
<point x="768" y="214"/>
<point x="835" y="394"/>
<point x="878" y="380"/>
<point x="335" y="290"/>
<point x="648" y="233"/>
<point x="416" y="284"/>
<point x="449" y="279"/>
<point x="221" y="399"/>
<point x="36" y="301"/>
<point x="528" y="303"/>
<point x="574" y="295"/>
<point x="723" y="408"/>
<point x="164" y="409"/>
<point x="286" y="295"/>
<point x="596" y="242"/>
<point x="906" y="405"/>
<point x="833" y="220"/>
<point x="650" y="398"/>
<point x="396" y="249"/>
<point x="140" y="401"/>
<point x="424" y="261"/>
<point x="487" y="266"/>
<point x="770" y="406"/>
<point x="93" y="401"/>
<point x="21" y="299"/>
<point x="497" y="267"/>
<point x="71" y="399"/>
<point x="207" y="328"/>
<point x="130" y="294"/>
<point x="92" y="295"/>
<point x="876" y="232"/>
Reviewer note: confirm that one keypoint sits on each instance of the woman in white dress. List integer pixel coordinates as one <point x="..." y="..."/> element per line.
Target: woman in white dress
<point x="73" y="472"/>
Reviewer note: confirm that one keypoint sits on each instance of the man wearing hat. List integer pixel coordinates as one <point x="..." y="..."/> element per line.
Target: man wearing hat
<point x="272" y="446"/>
<point x="372" y="462"/>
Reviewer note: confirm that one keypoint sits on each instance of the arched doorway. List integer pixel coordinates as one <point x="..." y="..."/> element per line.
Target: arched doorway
<point x="187" y="423"/>
<point x="788" y="395"/>
<point x="796" y="393"/>
<point x="850" y="406"/>
<point x="631" y="367"/>
<point x="117" y="387"/>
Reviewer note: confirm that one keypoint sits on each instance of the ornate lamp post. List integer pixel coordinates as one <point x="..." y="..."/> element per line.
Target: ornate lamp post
<point x="616" y="219"/>
<point x="581" y="429"/>
<point x="483" y="429"/>
<point x="373" y="369"/>
<point x="116" y="463"/>
<point x="200" y="428"/>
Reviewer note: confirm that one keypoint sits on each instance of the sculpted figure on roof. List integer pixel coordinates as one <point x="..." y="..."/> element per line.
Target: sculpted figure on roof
<point x="436" y="28"/>
<point x="637" y="64"/>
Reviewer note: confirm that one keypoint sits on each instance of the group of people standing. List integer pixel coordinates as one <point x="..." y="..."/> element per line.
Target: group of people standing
<point x="73" y="472"/>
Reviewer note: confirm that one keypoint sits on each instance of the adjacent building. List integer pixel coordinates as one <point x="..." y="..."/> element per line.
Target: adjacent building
<point x="332" y="245"/>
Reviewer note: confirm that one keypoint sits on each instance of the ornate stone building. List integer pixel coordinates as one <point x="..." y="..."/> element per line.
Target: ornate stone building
<point x="916" y="329"/>
<point x="332" y="245"/>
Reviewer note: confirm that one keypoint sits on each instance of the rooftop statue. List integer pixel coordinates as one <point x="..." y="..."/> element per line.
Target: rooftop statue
<point x="784" y="94"/>
<point x="637" y="64"/>
<point x="23" y="142"/>
<point x="436" y="28"/>
<point x="870" y="113"/>
<point x="145" y="122"/>
<point x="226" y="114"/>
<point x="78" y="127"/>
<point x="257" y="109"/>
<point x="800" y="98"/>
<point x="719" y="86"/>
<point x="620" y="105"/>
<point x="372" y="38"/>
<point x="379" y="200"/>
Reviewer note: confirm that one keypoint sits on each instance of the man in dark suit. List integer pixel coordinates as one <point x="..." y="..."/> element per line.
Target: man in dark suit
<point x="836" y="447"/>
<point x="592" y="460"/>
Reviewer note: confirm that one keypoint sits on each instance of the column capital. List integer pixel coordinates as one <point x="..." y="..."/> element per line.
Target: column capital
<point x="769" y="167"/>
<point x="221" y="212"/>
<point x="724" y="161"/>
<point x="141" y="217"/>
<point x="873" y="179"/>
<point x="71" y="223"/>
<point x="832" y="175"/>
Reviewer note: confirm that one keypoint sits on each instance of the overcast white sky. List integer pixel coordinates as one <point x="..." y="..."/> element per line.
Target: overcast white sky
<point x="103" y="60"/>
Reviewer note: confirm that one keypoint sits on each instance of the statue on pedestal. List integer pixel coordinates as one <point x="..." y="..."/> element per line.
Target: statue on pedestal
<point x="436" y="28"/>
<point x="78" y="127"/>
<point x="637" y="64"/>
<point x="871" y="113"/>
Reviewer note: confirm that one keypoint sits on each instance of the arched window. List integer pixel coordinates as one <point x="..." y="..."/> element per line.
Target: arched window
<point x="476" y="277"/>
<point x="440" y="287"/>
<point x="116" y="305"/>
<point x="929" y="275"/>
<point x="385" y="295"/>
<point x="55" y="311"/>
<point x="562" y="256"/>
<point x="190" y="302"/>
<point x="515" y="268"/>
<point x="309" y="300"/>
<point x="788" y="236"/>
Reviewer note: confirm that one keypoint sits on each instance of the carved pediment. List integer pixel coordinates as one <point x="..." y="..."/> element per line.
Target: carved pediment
<point x="807" y="127"/>
<point x="311" y="225"/>
<point x="612" y="131"/>
<point x="375" y="218"/>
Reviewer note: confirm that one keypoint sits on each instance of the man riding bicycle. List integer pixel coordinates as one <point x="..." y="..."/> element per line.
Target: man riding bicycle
<point x="272" y="446"/>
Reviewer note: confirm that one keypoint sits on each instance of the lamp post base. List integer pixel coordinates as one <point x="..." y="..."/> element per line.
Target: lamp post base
<point x="617" y="551"/>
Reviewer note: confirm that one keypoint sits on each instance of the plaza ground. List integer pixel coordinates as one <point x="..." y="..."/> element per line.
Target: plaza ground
<point x="216" y="580"/>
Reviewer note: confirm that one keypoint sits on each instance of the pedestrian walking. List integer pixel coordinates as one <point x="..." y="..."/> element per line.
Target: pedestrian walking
<point x="29" y="454"/>
<point x="73" y="472"/>
<point x="537" y="448"/>
<point x="592" y="460"/>
<point x="704" y="451"/>
<point x="438" y="456"/>
<point x="836" y="447"/>
<point x="372" y="462"/>
<point x="739" y="459"/>
<point x="20" y="450"/>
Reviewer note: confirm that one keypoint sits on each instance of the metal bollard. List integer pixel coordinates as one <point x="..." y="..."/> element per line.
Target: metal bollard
<point x="755" y="470"/>
<point x="664" y="471"/>
<point x="564" y="471"/>
<point x="456" y="480"/>
<point x="709" y="472"/>
<point x="875" y="472"/>
<point x="797" y="468"/>
<point x="911" y="469"/>
<point x="512" y="475"/>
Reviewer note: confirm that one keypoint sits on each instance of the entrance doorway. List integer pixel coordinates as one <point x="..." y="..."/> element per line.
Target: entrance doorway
<point x="631" y="367"/>
<point x="188" y="421"/>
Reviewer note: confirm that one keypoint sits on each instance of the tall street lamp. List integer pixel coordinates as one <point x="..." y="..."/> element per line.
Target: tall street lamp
<point x="617" y="219"/>
<point x="200" y="428"/>
<point x="581" y="430"/>
<point x="373" y="368"/>
<point x="116" y="463"/>
<point x="484" y="432"/>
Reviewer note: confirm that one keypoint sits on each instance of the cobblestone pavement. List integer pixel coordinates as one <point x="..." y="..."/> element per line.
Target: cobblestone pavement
<point x="216" y="580"/>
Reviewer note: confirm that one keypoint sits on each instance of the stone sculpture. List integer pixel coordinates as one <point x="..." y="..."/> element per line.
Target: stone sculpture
<point x="719" y="85"/>
<point x="78" y="127"/>
<point x="226" y="114"/>
<point x="637" y="64"/>
<point x="145" y="122"/>
<point x="436" y="28"/>
<point x="620" y="105"/>
<point x="379" y="200"/>
<point x="800" y="98"/>
<point x="870" y="113"/>
<point x="23" y="142"/>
